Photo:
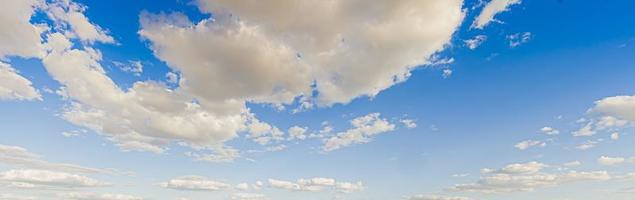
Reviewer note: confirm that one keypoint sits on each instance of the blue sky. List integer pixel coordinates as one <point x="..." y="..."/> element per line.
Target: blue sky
<point x="251" y="100"/>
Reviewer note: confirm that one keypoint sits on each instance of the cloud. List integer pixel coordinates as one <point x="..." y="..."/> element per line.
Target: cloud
<point x="447" y="73"/>
<point x="134" y="67"/>
<point x="549" y="130"/>
<point x="409" y="123"/>
<point x="21" y="157"/>
<point x="526" y="177"/>
<point x="96" y="196"/>
<point x="622" y="107"/>
<point x="588" y="144"/>
<point x="297" y="132"/>
<point x="194" y="183"/>
<point x="615" y="136"/>
<point x="247" y="196"/>
<point x="19" y="36"/>
<point x="435" y="197"/>
<point x="490" y="11"/>
<point x="325" y="44"/>
<point x="475" y="42"/>
<point x="517" y="39"/>
<point x="363" y="129"/>
<point x="316" y="184"/>
<point x="530" y="143"/>
<point x="31" y="178"/>
<point x="70" y="15"/>
<point x="13" y="86"/>
<point x="606" y="160"/>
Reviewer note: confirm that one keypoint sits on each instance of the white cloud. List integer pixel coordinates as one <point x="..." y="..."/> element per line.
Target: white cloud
<point x="526" y="177"/>
<point x="20" y="157"/>
<point x="517" y="39"/>
<point x="490" y="11"/>
<point x="409" y="123"/>
<point x="96" y="196"/>
<point x="19" y="36"/>
<point x="13" y="86"/>
<point x="606" y="160"/>
<point x="31" y="178"/>
<point x="247" y="196"/>
<point x="435" y="197"/>
<point x="313" y="42"/>
<point x="134" y="67"/>
<point x="363" y="129"/>
<point x="530" y="143"/>
<point x="615" y="136"/>
<point x="194" y="183"/>
<point x="70" y="15"/>
<point x="549" y="130"/>
<point x="297" y="132"/>
<point x="447" y="73"/>
<point x="622" y="107"/>
<point x="586" y="130"/>
<point x="15" y="197"/>
<point x="317" y="184"/>
<point x="475" y="42"/>
<point x="588" y="144"/>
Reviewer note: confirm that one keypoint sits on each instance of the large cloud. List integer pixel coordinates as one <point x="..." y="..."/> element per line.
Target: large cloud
<point x="29" y="178"/>
<point x="13" y="86"/>
<point x="281" y="49"/>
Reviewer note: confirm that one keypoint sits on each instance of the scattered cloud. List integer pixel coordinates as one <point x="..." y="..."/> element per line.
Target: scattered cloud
<point x="475" y="42"/>
<point x="606" y="160"/>
<point x="364" y="128"/>
<point x="517" y="39"/>
<point x="435" y="197"/>
<point x="96" y="196"/>
<point x="194" y="183"/>
<point x="30" y="178"/>
<point x="317" y="184"/>
<point x="530" y="143"/>
<point x="549" y="130"/>
<point x="409" y="123"/>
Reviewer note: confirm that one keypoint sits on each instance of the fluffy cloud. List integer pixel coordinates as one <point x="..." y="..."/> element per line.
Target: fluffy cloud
<point x="490" y="11"/>
<point x="622" y="107"/>
<point x="194" y="183"/>
<point x="409" y="123"/>
<point x="328" y="44"/>
<point x="69" y="17"/>
<point x="526" y="177"/>
<point x="297" y="132"/>
<point x="606" y="160"/>
<point x="529" y="143"/>
<point x="316" y="184"/>
<point x="15" y="87"/>
<point x="30" y="178"/>
<point x="96" y="196"/>
<point x="363" y="129"/>
<point x="19" y="36"/>
<point x="435" y="197"/>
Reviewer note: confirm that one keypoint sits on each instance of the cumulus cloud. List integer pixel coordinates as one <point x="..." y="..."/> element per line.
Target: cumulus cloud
<point x="296" y="132"/>
<point x="363" y="128"/>
<point x="13" y="86"/>
<point x="69" y="17"/>
<point x="328" y="44"/>
<point x="30" y="178"/>
<point x="96" y="196"/>
<point x="526" y="177"/>
<point x="194" y="183"/>
<point x="530" y="143"/>
<point x="19" y="36"/>
<point x="491" y="9"/>
<point x="316" y="184"/>
<point x="622" y="107"/>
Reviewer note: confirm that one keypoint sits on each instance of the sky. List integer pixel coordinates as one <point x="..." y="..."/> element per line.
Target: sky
<point x="315" y="100"/>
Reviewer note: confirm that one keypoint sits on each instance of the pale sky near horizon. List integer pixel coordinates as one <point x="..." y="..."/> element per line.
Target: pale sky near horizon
<point x="314" y="100"/>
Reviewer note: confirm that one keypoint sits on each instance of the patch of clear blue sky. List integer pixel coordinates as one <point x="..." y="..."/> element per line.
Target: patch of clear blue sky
<point x="580" y="51"/>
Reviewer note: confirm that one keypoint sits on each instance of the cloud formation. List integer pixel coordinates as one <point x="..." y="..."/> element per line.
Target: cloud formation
<point x="491" y="9"/>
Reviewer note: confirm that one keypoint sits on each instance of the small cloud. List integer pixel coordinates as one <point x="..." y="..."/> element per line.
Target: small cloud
<point x="518" y="38"/>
